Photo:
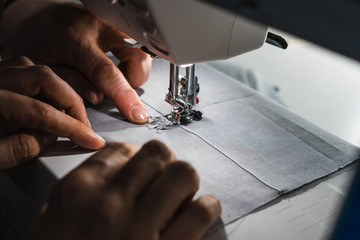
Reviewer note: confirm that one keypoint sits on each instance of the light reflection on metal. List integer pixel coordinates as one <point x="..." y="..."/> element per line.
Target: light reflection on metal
<point x="161" y="123"/>
<point x="182" y="95"/>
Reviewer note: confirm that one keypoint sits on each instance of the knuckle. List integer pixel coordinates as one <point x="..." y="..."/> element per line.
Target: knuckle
<point x="104" y="70"/>
<point x="207" y="208"/>
<point x="24" y="148"/>
<point x="122" y="90"/>
<point x="24" y="61"/>
<point x="184" y="172"/>
<point x="41" y="74"/>
<point x="77" y="100"/>
<point x="108" y="78"/>
<point x="153" y="155"/>
<point x="43" y="112"/>
<point x="204" y="213"/>
<point x="158" y="150"/>
<point x="126" y="149"/>
<point x="44" y="109"/>
<point x="75" y="185"/>
<point x="111" y="153"/>
<point x="80" y="100"/>
<point x="42" y="69"/>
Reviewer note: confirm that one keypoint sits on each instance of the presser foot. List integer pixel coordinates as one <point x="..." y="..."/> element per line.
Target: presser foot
<point x="184" y="118"/>
<point x="167" y="122"/>
<point x="182" y="95"/>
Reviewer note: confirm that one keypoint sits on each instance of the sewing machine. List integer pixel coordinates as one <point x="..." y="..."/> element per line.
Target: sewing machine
<point x="285" y="219"/>
<point x="183" y="32"/>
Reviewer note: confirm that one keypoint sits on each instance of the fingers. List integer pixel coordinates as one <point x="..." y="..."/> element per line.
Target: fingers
<point x="134" y="63"/>
<point x="80" y="84"/>
<point x="18" y="61"/>
<point x="107" y="77"/>
<point x="176" y="185"/>
<point x="156" y="186"/>
<point x="39" y="115"/>
<point x="96" y="173"/>
<point x="110" y="37"/>
<point x="23" y="146"/>
<point x="143" y="169"/>
<point x="194" y="220"/>
<point x="40" y="81"/>
<point x="136" y="70"/>
<point x="107" y="162"/>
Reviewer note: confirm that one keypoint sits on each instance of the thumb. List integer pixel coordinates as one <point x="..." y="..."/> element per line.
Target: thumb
<point x="22" y="146"/>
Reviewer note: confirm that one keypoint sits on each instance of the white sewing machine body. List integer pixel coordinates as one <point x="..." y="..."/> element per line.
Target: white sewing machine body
<point x="182" y="32"/>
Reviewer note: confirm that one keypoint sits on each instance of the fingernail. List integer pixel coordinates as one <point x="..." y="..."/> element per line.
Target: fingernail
<point x="89" y="95"/>
<point x="139" y="114"/>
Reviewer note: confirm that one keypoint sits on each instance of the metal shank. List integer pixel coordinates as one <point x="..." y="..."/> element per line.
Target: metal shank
<point x="182" y="94"/>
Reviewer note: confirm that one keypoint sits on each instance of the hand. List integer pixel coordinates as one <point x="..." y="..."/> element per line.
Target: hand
<point x="35" y="99"/>
<point x="122" y="192"/>
<point x="63" y="33"/>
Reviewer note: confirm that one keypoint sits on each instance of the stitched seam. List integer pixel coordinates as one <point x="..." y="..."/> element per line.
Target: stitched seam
<point x="228" y="100"/>
<point x="236" y="163"/>
<point x="218" y="150"/>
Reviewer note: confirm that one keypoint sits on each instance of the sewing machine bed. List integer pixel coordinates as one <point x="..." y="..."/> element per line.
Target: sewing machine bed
<point x="247" y="149"/>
